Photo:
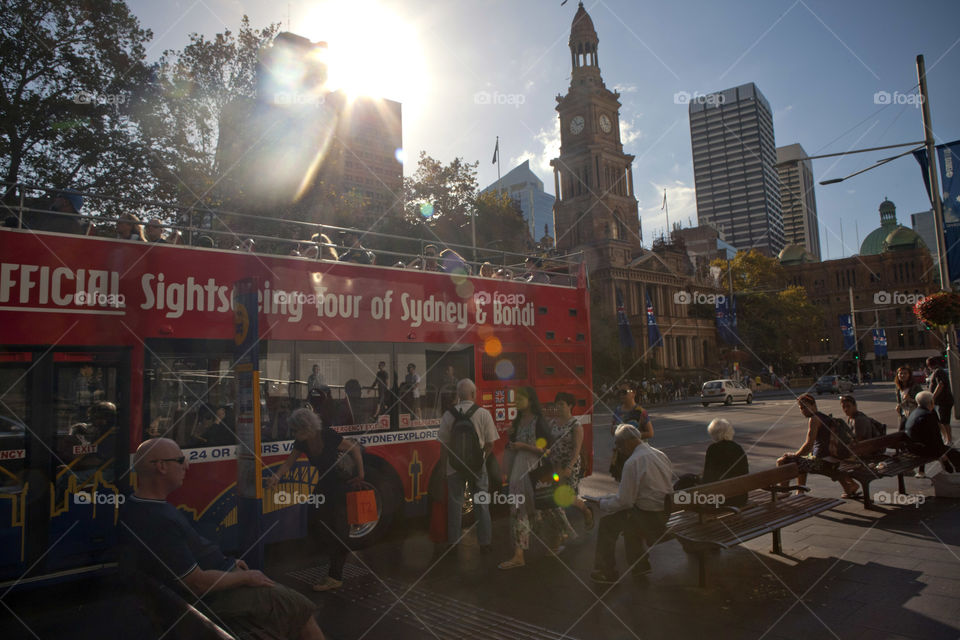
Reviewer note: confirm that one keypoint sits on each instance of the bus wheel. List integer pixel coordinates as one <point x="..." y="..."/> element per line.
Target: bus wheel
<point x="387" y="490"/>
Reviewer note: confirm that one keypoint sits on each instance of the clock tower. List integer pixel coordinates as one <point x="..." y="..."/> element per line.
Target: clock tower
<point x="595" y="208"/>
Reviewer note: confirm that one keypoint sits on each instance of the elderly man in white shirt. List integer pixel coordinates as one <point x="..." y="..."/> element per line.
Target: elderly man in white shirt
<point x="636" y="510"/>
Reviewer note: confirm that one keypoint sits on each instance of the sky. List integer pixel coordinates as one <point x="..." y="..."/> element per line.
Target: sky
<point x="838" y="75"/>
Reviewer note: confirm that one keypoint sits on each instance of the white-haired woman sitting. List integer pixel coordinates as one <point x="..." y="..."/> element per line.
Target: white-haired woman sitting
<point x="725" y="459"/>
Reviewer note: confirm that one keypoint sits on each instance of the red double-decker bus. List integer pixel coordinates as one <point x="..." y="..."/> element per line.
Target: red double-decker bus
<point x="150" y="328"/>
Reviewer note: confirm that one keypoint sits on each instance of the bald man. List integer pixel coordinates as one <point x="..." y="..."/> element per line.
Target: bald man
<point x="167" y="547"/>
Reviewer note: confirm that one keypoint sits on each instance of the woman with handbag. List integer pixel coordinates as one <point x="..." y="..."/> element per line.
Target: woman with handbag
<point x="907" y="391"/>
<point x="566" y="465"/>
<point x="323" y="447"/>
<point x="529" y="439"/>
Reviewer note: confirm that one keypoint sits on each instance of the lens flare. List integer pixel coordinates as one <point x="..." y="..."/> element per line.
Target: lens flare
<point x="504" y="369"/>
<point x="541" y="443"/>
<point x="426" y="210"/>
<point x="493" y="348"/>
<point x="464" y="287"/>
<point x="564" y="496"/>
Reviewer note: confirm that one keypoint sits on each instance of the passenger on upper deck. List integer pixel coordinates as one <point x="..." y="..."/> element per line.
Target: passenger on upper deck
<point x="428" y="262"/>
<point x="487" y="270"/>
<point x="154" y="231"/>
<point x="163" y="544"/>
<point x="325" y="248"/>
<point x="355" y="251"/>
<point x="129" y="228"/>
<point x="62" y="215"/>
<point x="535" y="271"/>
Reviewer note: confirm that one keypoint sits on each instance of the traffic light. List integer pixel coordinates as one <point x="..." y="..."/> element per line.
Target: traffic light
<point x="856" y="355"/>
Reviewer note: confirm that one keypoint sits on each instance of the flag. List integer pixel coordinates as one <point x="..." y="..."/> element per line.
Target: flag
<point x="626" y="336"/>
<point x="949" y="156"/>
<point x="496" y="151"/>
<point x="880" y="343"/>
<point x="726" y="311"/>
<point x="846" y="328"/>
<point x="654" y="339"/>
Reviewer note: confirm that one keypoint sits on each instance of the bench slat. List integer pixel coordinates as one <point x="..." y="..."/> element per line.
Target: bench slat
<point x="766" y="518"/>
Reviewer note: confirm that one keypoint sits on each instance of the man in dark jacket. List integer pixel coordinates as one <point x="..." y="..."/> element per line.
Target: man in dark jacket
<point x="927" y="434"/>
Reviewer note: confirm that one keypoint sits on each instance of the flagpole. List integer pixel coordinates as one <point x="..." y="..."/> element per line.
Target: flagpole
<point x="953" y="364"/>
<point x="498" y="165"/>
<point x="666" y="210"/>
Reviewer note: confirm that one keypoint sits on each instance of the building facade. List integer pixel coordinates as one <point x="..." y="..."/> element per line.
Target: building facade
<point x="798" y="199"/>
<point x="880" y="288"/>
<point x="526" y="190"/>
<point x="595" y="212"/>
<point x="734" y="158"/>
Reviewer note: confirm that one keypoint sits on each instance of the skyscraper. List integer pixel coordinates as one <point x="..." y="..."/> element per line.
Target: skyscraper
<point x="526" y="190"/>
<point x="797" y="198"/>
<point x="734" y="158"/>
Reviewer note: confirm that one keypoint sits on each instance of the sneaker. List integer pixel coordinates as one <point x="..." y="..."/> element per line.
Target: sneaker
<point x="919" y="474"/>
<point x="602" y="577"/>
<point x="328" y="585"/>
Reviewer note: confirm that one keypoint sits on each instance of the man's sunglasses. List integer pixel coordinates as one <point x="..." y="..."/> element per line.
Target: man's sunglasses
<point x="179" y="460"/>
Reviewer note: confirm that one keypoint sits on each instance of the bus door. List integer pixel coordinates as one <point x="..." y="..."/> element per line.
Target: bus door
<point x="64" y="466"/>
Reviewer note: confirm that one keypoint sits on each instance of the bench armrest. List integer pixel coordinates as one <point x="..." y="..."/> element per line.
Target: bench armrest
<point x="779" y="489"/>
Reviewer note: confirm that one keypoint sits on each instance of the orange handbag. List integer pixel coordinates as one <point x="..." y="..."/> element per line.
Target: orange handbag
<point x="361" y="506"/>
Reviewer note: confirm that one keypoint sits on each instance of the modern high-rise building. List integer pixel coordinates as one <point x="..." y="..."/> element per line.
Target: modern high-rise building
<point x="923" y="223"/>
<point x="797" y="199"/>
<point x="526" y="190"/>
<point x="734" y="167"/>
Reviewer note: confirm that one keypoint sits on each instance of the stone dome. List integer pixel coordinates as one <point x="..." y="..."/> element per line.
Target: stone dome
<point x="874" y="243"/>
<point x="795" y="254"/>
<point x="903" y="238"/>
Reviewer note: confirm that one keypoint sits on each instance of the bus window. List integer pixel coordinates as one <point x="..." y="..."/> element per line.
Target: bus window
<point x="190" y="394"/>
<point x="506" y="366"/>
<point x="345" y="384"/>
<point x="277" y="387"/>
<point x="430" y="387"/>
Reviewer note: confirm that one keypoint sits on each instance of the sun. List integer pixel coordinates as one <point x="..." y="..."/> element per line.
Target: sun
<point x="372" y="51"/>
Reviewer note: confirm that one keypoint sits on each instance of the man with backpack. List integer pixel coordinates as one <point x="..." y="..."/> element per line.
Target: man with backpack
<point x="863" y="426"/>
<point x="467" y="433"/>
<point x="824" y="440"/>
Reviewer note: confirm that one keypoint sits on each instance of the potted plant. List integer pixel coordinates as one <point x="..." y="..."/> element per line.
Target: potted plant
<point x="939" y="309"/>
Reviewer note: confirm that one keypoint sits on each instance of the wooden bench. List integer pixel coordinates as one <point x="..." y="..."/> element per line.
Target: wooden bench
<point x="713" y="525"/>
<point x="871" y="462"/>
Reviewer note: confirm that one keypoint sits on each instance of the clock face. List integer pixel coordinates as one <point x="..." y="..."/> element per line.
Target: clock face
<point x="577" y="124"/>
<point x="605" y="123"/>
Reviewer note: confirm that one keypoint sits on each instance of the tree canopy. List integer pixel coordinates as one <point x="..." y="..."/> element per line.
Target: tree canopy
<point x="70" y="75"/>
<point x="774" y="321"/>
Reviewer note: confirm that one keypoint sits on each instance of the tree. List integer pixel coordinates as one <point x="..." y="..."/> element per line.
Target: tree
<point x="774" y="321"/>
<point x="190" y="93"/>
<point x="70" y="73"/>
<point x="445" y="201"/>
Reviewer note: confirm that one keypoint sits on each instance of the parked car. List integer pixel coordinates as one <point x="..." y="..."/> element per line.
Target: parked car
<point x="833" y="384"/>
<point x="725" y="391"/>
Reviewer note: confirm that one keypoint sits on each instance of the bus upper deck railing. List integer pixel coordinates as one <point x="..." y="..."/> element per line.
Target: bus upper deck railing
<point x="55" y="211"/>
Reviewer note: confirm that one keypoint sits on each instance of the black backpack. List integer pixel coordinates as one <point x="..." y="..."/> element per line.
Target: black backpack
<point x="841" y="436"/>
<point x="878" y="429"/>
<point x="465" y="454"/>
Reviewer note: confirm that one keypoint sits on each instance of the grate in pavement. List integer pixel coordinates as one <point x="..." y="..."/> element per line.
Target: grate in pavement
<point x="443" y="617"/>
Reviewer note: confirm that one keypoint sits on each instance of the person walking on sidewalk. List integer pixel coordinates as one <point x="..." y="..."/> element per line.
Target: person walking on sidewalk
<point x="477" y="480"/>
<point x="636" y="510"/>
<point x="323" y="448"/>
<point x="628" y="410"/>
<point x="529" y="440"/>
